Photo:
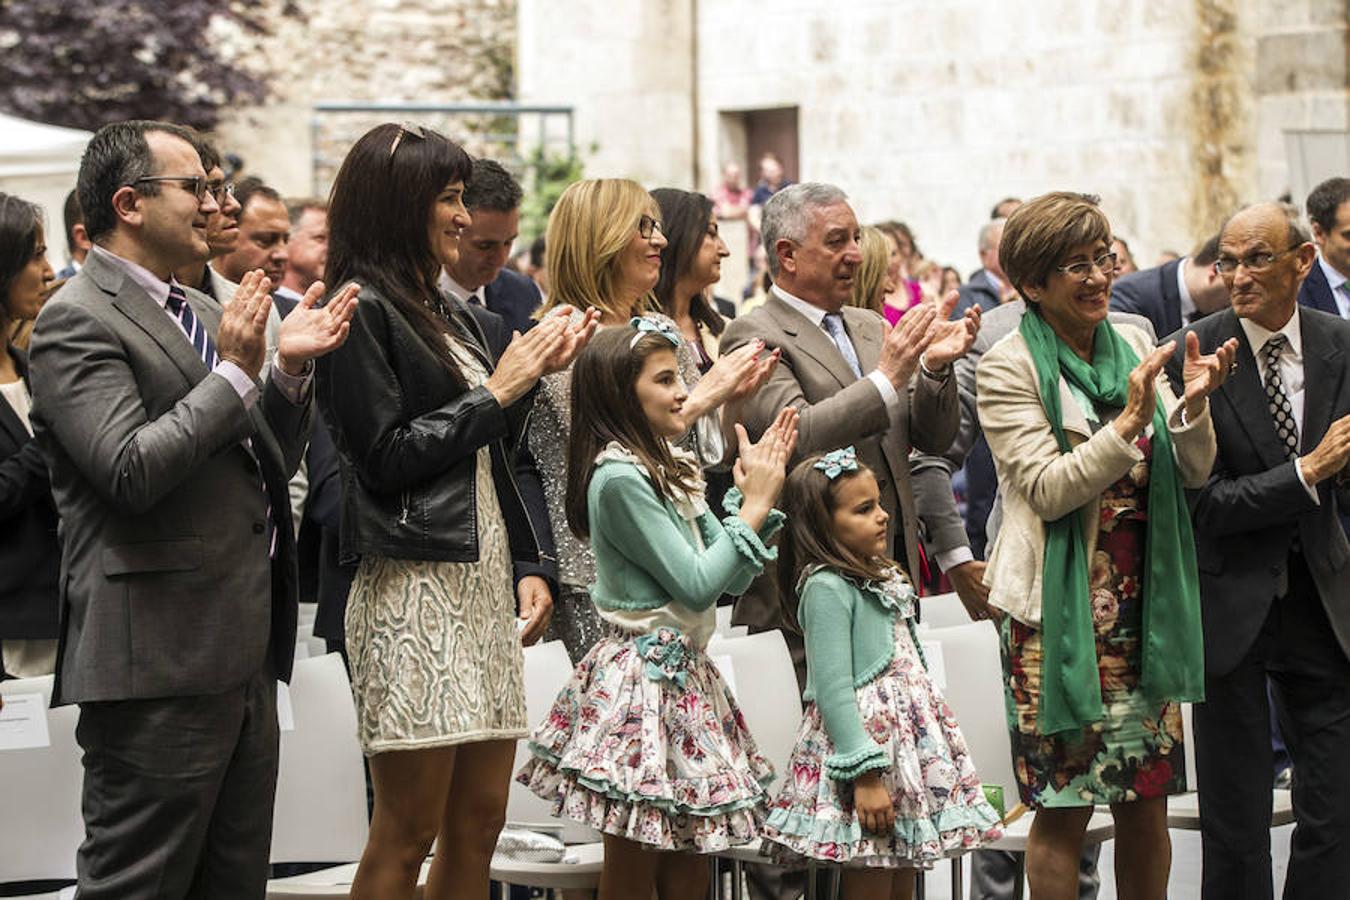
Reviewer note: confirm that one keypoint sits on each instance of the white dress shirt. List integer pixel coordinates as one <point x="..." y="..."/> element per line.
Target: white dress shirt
<point x="1334" y="281"/>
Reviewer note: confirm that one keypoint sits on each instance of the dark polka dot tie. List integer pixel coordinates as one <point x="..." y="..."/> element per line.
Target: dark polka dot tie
<point x="1281" y="411"/>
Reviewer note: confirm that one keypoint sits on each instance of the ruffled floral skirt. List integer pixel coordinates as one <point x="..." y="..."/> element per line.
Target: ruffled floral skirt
<point x="646" y="742"/>
<point x="940" y="809"/>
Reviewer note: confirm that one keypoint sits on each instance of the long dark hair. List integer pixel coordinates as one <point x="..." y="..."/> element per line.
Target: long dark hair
<point x="20" y="222"/>
<point x="684" y="222"/>
<point x="808" y="536"/>
<point x="381" y="202"/>
<point x="605" y="408"/>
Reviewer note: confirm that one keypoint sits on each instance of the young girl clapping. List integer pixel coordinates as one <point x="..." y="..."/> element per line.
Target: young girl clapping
<point x="880" y="778"/>
<point x="645" y="742"/>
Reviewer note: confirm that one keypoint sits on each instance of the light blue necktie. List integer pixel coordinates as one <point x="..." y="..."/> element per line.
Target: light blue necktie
<point x="834" y="324"/>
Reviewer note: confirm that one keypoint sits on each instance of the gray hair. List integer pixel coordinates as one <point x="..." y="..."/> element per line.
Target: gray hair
<point x="987" y="234"/>
<point x="787" y="214"/>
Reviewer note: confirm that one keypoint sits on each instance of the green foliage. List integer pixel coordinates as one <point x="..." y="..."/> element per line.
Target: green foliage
<point x="546" y="176"/>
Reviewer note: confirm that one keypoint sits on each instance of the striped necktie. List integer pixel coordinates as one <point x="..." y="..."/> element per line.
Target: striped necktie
<point x="181" y="310"/>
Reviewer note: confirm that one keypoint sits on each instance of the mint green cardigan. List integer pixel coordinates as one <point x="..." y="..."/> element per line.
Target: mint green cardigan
<point x="850" y="640"/>
<point x="646" y="555"/>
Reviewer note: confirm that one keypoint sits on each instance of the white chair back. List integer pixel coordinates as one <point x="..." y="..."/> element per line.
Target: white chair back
<point x="942" y="611"/>
<point x="320" y="810"/>
<point x="547" y="669"/>
<point x="1188" y="735"/>
<point x="765" y="685"/>
<point x="975" y="693"/>
<point x="41" y="827"/>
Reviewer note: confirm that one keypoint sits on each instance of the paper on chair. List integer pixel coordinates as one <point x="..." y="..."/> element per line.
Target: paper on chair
<point x="285" y="713"/>
<point x="728" y="670"/>
<point x="23" y="722"/>
<point x="937" y="666"/>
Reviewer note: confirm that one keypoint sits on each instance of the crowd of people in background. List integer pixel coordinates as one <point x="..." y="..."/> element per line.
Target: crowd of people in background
<point x="232" y="401"/>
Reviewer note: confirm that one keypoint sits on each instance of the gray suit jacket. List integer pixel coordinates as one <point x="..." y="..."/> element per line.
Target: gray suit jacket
<point x="166" y="585"/>
<point x="932" y="473"/>
<point x="838" y="408"/>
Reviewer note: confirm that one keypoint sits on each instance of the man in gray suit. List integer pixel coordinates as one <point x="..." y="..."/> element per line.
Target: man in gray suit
<point x="993" y="872"/>
<point x="169" y="459"/>
<point x="851" y="381"/>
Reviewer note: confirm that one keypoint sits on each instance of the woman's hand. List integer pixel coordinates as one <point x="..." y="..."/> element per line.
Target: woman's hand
<point x="547" y="347"/>
<point x="1142" y="398"/>
<point x="1202" y="375"/>
<point x="872" y="803"/>
<point x="536" y="607"/>
<point x="723" y="380"/>
<point x="761" y="467"/>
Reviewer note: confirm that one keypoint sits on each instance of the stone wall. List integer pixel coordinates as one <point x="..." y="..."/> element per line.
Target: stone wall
<point x="929" y="112"/>
<point x="424" y="51"/>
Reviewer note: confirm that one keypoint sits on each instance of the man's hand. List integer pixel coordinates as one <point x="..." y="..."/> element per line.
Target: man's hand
<point x="904" y="344"/>
<point x="536" y="607"/>
<point x="1331" y="454"/>
<point x="968" y="580"/>
<point x="1202" y="375"/>
<point x="242" y="337"/>
<point x="311" y="331"/>
<point x="949" y="340"/>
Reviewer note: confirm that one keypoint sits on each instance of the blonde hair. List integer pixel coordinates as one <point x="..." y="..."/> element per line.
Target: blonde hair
<point x="870" y="278"/>
<point x="592" y="223"/>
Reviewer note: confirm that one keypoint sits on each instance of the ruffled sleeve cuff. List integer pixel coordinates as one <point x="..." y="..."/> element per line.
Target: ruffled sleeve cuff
<point x="731" y="502"/>
<point x="850" y="766"/>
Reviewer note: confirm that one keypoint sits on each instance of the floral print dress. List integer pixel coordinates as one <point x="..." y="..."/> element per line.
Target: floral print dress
<point x="940" y="808"/>
<point x="1135" y="752"/>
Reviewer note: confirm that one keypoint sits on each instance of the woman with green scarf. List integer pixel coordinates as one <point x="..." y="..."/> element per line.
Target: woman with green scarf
<point x="1094" y="563"/>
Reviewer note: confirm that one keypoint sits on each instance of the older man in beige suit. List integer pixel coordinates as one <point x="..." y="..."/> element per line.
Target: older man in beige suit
<point x="852" y="382"/>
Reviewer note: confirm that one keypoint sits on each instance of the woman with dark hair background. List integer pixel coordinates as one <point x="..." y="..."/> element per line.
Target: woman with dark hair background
<point x="427" y="402"/>
<point x="30" y="556"/>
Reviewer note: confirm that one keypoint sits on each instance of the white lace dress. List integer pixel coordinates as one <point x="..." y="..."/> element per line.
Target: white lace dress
<point x="435" y="655"/>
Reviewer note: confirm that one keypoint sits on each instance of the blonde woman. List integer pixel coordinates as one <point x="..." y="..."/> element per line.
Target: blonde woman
<point x="872" y="281"/>
<point x="604" y="245"/>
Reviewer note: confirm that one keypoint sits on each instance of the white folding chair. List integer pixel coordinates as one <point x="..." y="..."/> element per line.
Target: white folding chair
<point x="1183" y="810"/>
<point x="547" y="669"/>
<point x="42" y="826"/>
<point x="974" y="690"/>
<point x="942" y="611"/>
<point x="320" y="810"/>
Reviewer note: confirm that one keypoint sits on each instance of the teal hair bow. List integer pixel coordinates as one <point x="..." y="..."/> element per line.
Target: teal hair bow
<point x="845" y="459"/>
<point x="646" y="325"/>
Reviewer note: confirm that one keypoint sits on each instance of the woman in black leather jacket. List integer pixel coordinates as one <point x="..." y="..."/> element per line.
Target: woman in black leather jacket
<point x="427" y="402"/>
<point x="30" y="556"/>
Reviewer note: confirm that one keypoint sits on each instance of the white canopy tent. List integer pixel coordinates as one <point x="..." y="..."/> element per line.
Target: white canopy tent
<point x="39" y="163"/>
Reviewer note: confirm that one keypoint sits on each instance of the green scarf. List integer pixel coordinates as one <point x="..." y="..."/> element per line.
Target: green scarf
<point x="1172" y="642"/>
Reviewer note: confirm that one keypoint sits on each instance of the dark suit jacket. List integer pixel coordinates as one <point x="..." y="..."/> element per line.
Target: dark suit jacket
<point x="1254" y="503"/>
<point x="1316" y="291"/>
<point x="167" y="589"/>
<point x="1153" y="294"/>
<point x="515" y="298"/>
<point x="978" y="291"/>
<point x="30" y="554"/>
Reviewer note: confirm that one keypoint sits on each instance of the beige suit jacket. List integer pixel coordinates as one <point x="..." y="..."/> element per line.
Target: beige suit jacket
<point x="1040" y="484"/>
<point x="837" y="408"/>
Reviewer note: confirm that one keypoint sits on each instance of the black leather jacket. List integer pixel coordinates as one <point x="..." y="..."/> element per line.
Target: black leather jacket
<point x="407" y="437"/>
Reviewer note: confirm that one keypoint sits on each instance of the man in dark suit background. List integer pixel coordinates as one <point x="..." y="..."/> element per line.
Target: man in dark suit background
<point x="988" y="287"/>
<point x="169" y="459"/>
<point x="1175" y="293"/>
<point x="1274" y="573"/>
<point x="1325" y="288"/>
<point x="480" y="277"/>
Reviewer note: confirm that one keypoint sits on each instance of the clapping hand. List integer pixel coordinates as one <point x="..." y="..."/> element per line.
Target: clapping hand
<point x="905" y="343"/>
<point x="735" y="376"/>
<point x="242" y="336"/>
<point x="1142" y="398"/>
<point x="548" y="347"/>
<point x="311" y="330"/>
<point x="1202" y="375"/>
<point x="949" y="340"/>
<point x="761" y="467"/>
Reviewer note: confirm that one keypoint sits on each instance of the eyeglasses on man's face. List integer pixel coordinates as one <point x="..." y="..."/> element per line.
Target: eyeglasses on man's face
<point x="647" y="226"/>
<point x="196" y="185"/>
<point x="1083" y="270"/>
<point x="1258" y="261"/>
<point x="221" y="189"/>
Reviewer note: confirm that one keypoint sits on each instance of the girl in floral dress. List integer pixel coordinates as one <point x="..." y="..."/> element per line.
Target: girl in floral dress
<point x="645" y="742"/>
<point x="880" y="779"/>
